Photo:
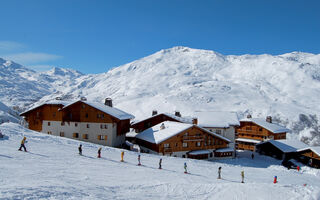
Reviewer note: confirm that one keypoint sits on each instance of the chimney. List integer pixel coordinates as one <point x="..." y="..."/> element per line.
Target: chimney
<point x="195" y="121"/>
<point x="162" y="126"/>
<point x="83" y="99"/>
<point x="177" y="113"/>
<point x="108" y="102"/>
<point x="154" y="112"/>
<point x="249" y="116"/>
<point x="269" y="119"/>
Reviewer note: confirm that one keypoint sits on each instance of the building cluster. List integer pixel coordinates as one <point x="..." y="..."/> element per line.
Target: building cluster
<point x="206" y="135"/>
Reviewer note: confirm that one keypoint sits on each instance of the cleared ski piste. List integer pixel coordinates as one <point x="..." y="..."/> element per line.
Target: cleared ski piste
<point x="54" y="170"/>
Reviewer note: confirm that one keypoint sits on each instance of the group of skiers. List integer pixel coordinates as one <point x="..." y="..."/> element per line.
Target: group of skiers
<point x="23" y="141"/>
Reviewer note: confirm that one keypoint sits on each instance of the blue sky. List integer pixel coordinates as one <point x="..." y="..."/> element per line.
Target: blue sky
<point x="93" y="36"/>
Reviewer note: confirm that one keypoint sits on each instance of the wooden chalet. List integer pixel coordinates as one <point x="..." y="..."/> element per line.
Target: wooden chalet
<point x="221" y="122"/>
<point x="81" y="120"/>
<point x="183" y="140"/>
<point x="158" y="118"/>
<point x="254" y="130"/>
<point x="310" y="156"/>
<point x="280" y="149"/>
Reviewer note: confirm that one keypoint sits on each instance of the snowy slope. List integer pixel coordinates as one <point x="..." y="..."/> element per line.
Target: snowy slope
<point x="7" y="114"/>
<point x="53" y="170"/>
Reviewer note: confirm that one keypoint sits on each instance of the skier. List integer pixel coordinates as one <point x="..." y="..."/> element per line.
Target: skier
<point x="122" y="154"/>
<point x="185" y="168"/>
<point x="139" y="163"/>
<point x="99" y="152"/>
<point x="160" y="162"/>
<point x="80" y="150"/>
<point x="298" y="168"/>
<point x="219" y="173"/>
<point x="22" y="144"/>
<point x="252" y="156"/>
<point x="242" y="176"/>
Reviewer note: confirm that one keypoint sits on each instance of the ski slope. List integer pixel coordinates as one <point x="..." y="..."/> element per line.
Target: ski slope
<point x="52" y="169"/>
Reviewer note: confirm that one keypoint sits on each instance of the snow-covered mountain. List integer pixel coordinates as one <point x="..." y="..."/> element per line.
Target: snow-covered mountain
<point x="286" y="86"/>
<point x="7" y="114"/>
<point x="20" y="86"/>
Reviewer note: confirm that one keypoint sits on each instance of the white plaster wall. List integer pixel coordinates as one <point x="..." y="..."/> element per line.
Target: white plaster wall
<point x="93" y="131"/>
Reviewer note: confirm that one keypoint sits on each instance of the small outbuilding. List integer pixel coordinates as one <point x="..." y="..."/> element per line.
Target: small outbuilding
<point x="280" y="149"/>
<point x="310" y="156"/>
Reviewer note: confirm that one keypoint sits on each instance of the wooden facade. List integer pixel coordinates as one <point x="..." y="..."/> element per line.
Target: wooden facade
<point x="309" y="157"/>
<point x="48" y="112"/>
<point x="191" y="139"/>
<point x="152" y="121"/>
<point x="253" y="131"/>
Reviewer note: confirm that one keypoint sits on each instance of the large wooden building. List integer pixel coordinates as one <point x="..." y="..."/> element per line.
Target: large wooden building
<point x="220" y="122"/>
<point x="254" y="130"/>
<point x="183" y="140"/>
<point x="82" y="120"/>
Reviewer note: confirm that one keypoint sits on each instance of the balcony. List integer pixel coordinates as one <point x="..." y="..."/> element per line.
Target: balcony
<point x="167" y="149"/>
<point x="192" y="138"/>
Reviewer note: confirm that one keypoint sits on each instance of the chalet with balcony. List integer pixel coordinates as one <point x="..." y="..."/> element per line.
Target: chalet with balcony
<point x="81" y="120"/>
<point x="255" y="130"/>
<point x="220" y="122"/>
<point x="183" y="140"/>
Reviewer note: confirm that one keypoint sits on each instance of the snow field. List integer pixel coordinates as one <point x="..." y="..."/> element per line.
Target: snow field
<point x="54" y="170"/>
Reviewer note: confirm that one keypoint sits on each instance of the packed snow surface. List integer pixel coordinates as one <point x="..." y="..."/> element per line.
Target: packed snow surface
<point x="52" y="169"/>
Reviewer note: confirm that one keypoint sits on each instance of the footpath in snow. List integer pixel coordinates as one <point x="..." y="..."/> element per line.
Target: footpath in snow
<point x="52" y="169"/>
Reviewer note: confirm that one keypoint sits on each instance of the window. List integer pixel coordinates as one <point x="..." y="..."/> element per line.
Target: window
<point x="102" y="137"/>
<point x="88" y="126"/>
<point x="198" y="144"/>
<point x="48" y="123"/>
<point x="62" y="123"/>
<point x="54" y="114"/>
<point x="75" y="124"/>
<point x="75" y="135"/>
<point x="166" y="145"/>
<point x="101" y="126"/>
<point x="87" y="115"/>
<point x="185" y="144"/>
<point x="49" y="132"/>
<point x="83" y="106"/>
<point x="260" y="129"/>
<point x="102" y="116"/>
<point x="106" y="126"/>
<point x="85" y="136"/>
<point x="186" y="134"/>
<point x="218" y="132"/>
<point x="61" y="134"/>
<point x="98" y="116"/>
<point x="176" y="144"/>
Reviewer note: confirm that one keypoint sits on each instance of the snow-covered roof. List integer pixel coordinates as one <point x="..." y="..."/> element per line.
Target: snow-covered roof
<point x="198" y="152"/>
<point x="274" y="128"/>
<point x="53" y="102"/>
<point x="225" y="150"/>
<point x="115" y="112"/>
<point x="286" y="146"/>
<point x="314" y="149"/>
<point x="157" y="135"/>
<point x="248" y="140"/>
<point x="180" y="119"/>
<point x="217" y="119"/>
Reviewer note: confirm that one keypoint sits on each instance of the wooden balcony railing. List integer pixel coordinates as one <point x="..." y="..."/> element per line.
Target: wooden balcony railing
<point x="192" y="138"/>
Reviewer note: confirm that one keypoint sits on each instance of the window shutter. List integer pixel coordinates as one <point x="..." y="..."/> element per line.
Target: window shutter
<point x="98" y="137"/>
<point x="105" y="137"/>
